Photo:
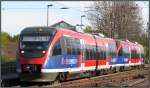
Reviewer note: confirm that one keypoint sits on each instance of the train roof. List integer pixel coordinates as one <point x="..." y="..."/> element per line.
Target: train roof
<point x="45" y="29"/>
<point x="37" y="29"/>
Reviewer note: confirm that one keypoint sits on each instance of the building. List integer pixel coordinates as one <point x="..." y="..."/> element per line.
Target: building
<point x="63" y="24"/>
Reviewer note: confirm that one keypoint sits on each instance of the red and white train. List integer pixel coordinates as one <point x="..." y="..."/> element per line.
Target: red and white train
<point x="49" y="54"/>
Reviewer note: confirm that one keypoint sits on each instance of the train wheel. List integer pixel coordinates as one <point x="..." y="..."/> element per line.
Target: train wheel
<point x="93" y="73"/>
<point x="102" y="72"/>
<point x="121" y="69"/>
<point x="24" y="84"/>
<point x="114" y="70"/>
<point x="62" y="77"/>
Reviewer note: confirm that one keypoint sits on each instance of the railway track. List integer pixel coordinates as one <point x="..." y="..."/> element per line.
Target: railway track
<point x="126" y="78"/>
<point x="121" y="78"/>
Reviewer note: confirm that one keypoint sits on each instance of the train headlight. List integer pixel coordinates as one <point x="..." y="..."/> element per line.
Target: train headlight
<point x="22" y="51"/>
<point x="43" y="51"/>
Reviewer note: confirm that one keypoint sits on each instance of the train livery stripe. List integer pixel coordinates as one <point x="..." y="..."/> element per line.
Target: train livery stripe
<point x="61" y="70"/>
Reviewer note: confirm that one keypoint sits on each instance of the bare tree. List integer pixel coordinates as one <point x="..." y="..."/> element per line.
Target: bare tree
<point x="121" y="19"/>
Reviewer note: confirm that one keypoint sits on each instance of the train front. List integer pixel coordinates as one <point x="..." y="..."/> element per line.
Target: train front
<point x="32" y="52"/>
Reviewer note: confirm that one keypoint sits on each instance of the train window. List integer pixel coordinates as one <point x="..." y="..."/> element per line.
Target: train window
<point x="120" y="53"/>
<point x="112" y="49"/>
<point x="57" y="48"/>
<point x="104" y="53"/>
<point x="134" y="54"/>
<point x="142" y="53"/>
<point x="69" y="46"/>
<point x="124" y="51"/>
<point x="138" y="54"/>
<point x="100" y="52"/>
<point x="74" y="49"/>
<point x="87" y="53"/>
<point x="91" y="53"/>
<point x="78" y="46"/>
<point x="94" y="53"/>
<point x="73" y="46"/>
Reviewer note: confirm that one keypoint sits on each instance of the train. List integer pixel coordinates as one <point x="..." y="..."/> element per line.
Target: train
<point x="50" y="54"/>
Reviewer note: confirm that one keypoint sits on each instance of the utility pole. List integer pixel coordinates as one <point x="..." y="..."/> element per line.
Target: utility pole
<point x="48" y="12"/>
<point x="81" y="21"/>
<point x="149" y="45"/>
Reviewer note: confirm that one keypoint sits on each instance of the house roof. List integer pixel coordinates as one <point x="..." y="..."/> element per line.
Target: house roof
<point x="63" y="24"/>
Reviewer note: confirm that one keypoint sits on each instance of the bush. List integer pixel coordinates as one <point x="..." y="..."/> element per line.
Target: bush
<point x="5" y="59"/>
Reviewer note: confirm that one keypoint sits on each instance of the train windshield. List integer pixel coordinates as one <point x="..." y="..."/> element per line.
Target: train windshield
<point x="34" y="42"/>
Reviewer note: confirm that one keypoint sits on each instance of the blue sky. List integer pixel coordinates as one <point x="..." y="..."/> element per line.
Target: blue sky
<point x="17" y="15"/>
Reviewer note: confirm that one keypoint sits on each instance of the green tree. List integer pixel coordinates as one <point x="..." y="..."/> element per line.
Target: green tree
<point x="144" y="41"/>
<point x="88" y="29"/>
<point x="15" y="38"/>
<point x="5" y="38"/>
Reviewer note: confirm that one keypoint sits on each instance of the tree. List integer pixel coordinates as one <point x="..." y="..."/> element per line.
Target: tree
<point x="144" y="41"/>
<point x="116" y="18"/>
<point x="5" y="37"/>
<point x="15" y="38"/>
<point x="88" y="29"/>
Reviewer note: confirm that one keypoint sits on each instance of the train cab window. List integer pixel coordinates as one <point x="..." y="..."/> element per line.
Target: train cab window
<point x="57" y="48"/>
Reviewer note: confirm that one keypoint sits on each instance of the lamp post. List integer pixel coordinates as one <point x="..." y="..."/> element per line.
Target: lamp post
<point x="64" y="8"/>
<point x="81" y="20"/>
<point x="48" y="11"/>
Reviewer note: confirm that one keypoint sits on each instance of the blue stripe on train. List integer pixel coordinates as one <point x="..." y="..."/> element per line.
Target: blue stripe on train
<point x="62" y="61"/>
<point x="119" y="60"/>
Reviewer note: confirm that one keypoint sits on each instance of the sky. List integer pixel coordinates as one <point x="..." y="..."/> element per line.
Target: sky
<point x="16" y="15"/>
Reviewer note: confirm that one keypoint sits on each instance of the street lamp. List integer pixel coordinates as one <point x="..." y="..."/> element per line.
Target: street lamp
<point x="81" y="20"/>
<point x="64" y="8"/>
<point x="48" y="11"/>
